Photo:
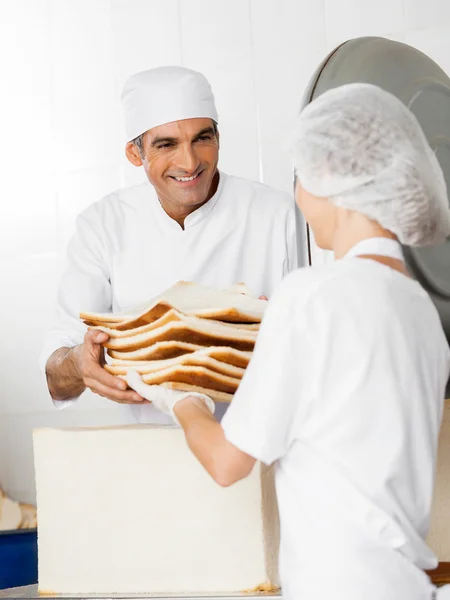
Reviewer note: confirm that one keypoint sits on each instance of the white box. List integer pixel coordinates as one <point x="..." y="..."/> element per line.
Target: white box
<point x="130" y="510"/>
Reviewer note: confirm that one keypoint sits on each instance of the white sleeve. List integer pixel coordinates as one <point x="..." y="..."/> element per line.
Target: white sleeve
<point x="85" y="286"/>
<point x="275" y="395"/>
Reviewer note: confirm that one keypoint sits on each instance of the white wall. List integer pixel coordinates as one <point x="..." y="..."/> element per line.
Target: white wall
<point x="63" y="63"/>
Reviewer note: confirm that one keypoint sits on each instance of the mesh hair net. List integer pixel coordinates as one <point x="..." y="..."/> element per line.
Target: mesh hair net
<point x="361" y="148"/>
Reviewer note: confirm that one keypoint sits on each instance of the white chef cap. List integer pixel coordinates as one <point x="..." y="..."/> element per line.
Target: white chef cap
<point x="164" y="95"/>
<point x="361" y="148"/>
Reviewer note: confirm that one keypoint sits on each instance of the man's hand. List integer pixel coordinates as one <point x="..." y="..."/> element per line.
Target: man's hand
<point x="164" y="399"/>
<point x="71" y="370"/>
<point x="89" y="359"/>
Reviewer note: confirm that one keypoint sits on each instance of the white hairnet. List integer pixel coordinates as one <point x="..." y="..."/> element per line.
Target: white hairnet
<point x="361" y="148"/>
<point x="164" y="95"/>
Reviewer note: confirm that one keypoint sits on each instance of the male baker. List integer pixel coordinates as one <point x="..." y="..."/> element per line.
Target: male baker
<point x="189" y="222"/>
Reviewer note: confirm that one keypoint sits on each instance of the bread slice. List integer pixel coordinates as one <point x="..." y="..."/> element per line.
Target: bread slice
<point x="157" y="351"/>
<point x="241" y="288"/>
<point x="195" y="359"/>
<point x="170" y="316"/>
<point x="186" y="387"/>
<point x="29" y="516"/>
<point x="188" y="329"/>
<point x="224" y="354"/>
<point x="198" y="376"/>
<point x="10" y="515"/>
<point x="190" y="298"/>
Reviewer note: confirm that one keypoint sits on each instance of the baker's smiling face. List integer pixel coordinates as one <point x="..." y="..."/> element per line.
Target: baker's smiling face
<point x="180" y="160"/>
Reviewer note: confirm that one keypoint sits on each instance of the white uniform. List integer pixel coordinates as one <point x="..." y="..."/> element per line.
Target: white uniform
<point x="346" y="391"/>
<point x="127" y="250"/>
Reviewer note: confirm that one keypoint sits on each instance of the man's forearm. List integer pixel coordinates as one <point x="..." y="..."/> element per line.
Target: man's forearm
<point x="63" y="375"/>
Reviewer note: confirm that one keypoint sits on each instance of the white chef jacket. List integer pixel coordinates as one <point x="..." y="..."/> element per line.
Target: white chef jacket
<point x="345" y="391"/>
<point x="127" y="250"/>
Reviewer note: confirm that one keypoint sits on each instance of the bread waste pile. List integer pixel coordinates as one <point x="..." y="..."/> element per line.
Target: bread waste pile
<point x="16" y="515"/>
<point x="190" y="338"/>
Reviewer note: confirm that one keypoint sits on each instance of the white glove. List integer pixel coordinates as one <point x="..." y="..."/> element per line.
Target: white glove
<point x="162" y="398"/>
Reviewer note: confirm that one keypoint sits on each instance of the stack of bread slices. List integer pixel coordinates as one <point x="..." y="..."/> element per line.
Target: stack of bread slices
<point x="191" y="338"/>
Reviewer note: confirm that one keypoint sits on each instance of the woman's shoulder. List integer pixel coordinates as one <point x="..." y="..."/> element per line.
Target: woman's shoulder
<point x="307" y="281"/>
<point x="296" y="291"/>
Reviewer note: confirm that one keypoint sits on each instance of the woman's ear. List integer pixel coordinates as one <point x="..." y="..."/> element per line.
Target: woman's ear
<point x="133" y="154"/>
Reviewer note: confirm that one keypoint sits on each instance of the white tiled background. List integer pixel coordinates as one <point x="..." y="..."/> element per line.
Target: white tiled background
<point x="62" y="65"/>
